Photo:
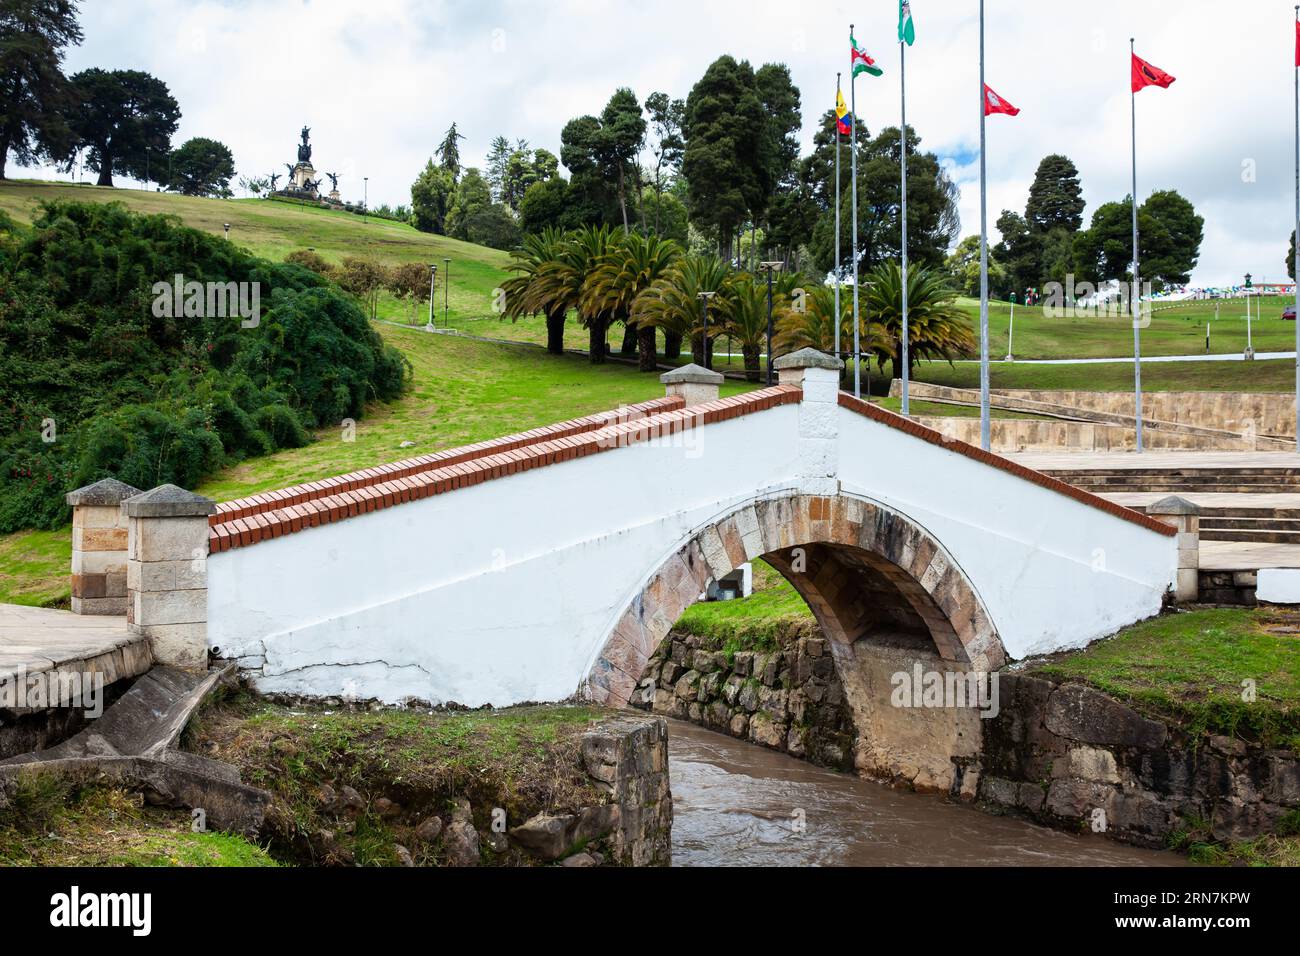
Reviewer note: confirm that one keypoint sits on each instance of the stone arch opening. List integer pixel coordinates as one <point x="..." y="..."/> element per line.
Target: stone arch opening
<point x="886" y="595"/>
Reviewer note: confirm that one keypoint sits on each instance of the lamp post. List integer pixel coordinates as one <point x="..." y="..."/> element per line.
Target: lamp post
<point x="704" y="309"/>
<point x="365" y="201"/>
<point x="770" y="268"/>
<point x="446" y="293"/>
<point x="227" y="226"/>
<point x="1250" y="348"/>
<point x="433" y="278"/>
<point x="1011" y="328"/>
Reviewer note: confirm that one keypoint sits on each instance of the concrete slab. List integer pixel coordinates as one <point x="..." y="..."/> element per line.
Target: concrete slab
<point x="1060" y="461"/>
<point x="35" y="640"/>
<point x="1243" y="556"/>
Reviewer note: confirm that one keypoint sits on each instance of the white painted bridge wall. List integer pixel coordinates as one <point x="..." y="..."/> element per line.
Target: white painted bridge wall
<point x="506" y="591"/>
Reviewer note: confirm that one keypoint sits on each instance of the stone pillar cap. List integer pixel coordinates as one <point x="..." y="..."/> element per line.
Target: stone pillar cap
<point x="691" y="374"/>
<point x="1173" y="505"/>
<point x="168" y="501"/>
<point x="106" y="491"/>
<point x="807" y="358"/>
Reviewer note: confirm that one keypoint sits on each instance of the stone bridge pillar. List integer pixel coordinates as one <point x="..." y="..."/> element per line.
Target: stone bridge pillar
<point x="1184" y="516"/>
<point x="818" y="374"/>
<point x="99" y="547"/>
<point x="167" y="574"/>
<point x="694" y="383"/>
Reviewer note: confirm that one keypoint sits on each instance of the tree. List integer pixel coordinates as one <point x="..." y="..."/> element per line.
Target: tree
<point x="33" y="90"/>
<point x="723" y="125"/>
<point x="121" y="116"/>
<point x="1169" y="241"/>
<point x="622" y="135"/>
<point x="472" y="193"/>
<point x="527" y="293"/>
<point x="409" y="280"/>
<point x="559" y="283"/>
<point x="448" y="152"/>
<point x="744" y="310"/>
<point x="963" y="268"/>
<point x="431" y="197"/>
<point x="1055" y="196"/>
<point x="498" y="156"/>
<point x="666" y="118"/>
<point x="546" y="205"/>
<point x="1019" y="253"/>
<point x="672" y="303"/>
<point x="492" y="225"/>
<point x="932" y="219"/>
<point x="201" y="167"/>
<point x="1290" y="256"/>
<point x="593" y="199"/>
<point x="668" y="215"/>
<point x="628" y="266"/>
<point x="254" y="184"/>
<point x="778" y="141"/>
<point x="937" y="328"/>
<point x="363" y="278"/>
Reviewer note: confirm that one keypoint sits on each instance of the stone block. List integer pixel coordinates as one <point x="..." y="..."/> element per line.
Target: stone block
<point x="177" y="645"/>
<point x="172" y="539"/>
<point x="151" y="608"/>
<point x="99" y="539"/>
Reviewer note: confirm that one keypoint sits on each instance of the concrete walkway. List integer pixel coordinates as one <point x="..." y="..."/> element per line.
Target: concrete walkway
<point x="1103" y="460"/>
<point x="1246" y="556"/>
<point x="1146" y="359"/>
<point x="35" y="640"/>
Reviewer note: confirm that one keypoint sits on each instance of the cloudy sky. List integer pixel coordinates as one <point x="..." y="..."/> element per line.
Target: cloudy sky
<point x="378" y="81"/>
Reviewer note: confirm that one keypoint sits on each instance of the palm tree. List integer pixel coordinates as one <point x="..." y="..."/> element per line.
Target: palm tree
<point x="558" y="284"/>
<point x="523" y="292"/>
<point x="936" y="327"/>
<point x="672" y="303"/>
<point x="629" y="266"/>
<point x="745" y="314"/>
<point x="808" y="321"/>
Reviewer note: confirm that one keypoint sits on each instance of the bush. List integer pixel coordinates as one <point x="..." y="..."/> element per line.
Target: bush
<point x="151" y="399"/>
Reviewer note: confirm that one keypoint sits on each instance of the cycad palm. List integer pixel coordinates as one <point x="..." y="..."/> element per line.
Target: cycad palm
<point x="672" y="303"/>
<point x="524" y="290"/>
<point x="628" y="267"/>
<point x="558" y="284"/>
<point x="744" y="311"/>
<point x="936" y="327"/>
<point x="808" y="321"/>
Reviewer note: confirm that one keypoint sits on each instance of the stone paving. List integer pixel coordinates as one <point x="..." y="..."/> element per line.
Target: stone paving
<point x="35" y="640"/>
<point x="1101" y="461"/>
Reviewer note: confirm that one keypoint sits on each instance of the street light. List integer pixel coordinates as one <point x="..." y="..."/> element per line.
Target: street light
<point x="770" y="268"/>
<point x="365" y="201"/>
<point x="704" y="309"/>
<point x="1250" y="348"/>
<point x="446" y="293"/>
<point x="433" y="278"/>
<point x="227" y="225"/>
<point x="1011" y="332"/>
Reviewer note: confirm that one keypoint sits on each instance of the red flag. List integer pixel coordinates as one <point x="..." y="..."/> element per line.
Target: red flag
<point x="1144" y="74"/>
<point x="996" y="104"/>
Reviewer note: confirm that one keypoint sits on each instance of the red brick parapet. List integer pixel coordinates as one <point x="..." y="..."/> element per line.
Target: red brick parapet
<point x="316" y="503"/>
<point x="904" y="424"/>
<point x="267" y="501"/>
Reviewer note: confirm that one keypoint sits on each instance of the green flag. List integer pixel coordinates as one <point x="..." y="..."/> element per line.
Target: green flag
<point x="906" y="32"/>
<point x="861" y="60"/>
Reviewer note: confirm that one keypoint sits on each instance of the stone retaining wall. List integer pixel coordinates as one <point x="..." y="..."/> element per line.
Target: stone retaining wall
<point x="789" y="699"/>
<point x="1072" y="757"/>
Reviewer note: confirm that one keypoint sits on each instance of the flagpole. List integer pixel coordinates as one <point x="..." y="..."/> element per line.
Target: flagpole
<point x="853" y="162"/>
<point x="835" y="124"/>
<point x="984" y="260"/>
<point x="1136" y="305"/>
<point x="902" y="72"/>
<point x="1296" y="260"/>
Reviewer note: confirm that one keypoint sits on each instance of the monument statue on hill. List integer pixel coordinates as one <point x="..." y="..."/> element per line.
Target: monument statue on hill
<point x="302" y="182"/>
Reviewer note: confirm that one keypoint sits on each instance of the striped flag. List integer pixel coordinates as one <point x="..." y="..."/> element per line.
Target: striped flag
<point x="861" y="60"/>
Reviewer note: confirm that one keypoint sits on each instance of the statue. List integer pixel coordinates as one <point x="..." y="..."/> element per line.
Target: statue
<point x="304" y="150"/>
<point x="275" y="177"/>
<point x="290" y="167"/>
<point x="311" y="185"/>
<point x="334" y="180"/>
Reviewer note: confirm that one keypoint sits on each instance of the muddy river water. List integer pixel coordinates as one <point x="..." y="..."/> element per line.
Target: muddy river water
<point x="737" y="804"/>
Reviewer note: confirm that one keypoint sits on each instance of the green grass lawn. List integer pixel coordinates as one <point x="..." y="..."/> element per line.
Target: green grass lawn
<point x="1175" y="329"/>
<point x="1189" y="667"/>
<point x="1276" y="375"/>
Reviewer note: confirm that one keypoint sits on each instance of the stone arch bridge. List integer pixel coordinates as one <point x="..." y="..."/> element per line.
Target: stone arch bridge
<point x="553" y="562"/>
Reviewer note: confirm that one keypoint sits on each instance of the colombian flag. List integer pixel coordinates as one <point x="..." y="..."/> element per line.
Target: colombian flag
<point x="842" y="115"/>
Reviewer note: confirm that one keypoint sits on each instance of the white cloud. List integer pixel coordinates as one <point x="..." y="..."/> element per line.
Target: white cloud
<point x="380" y="80"/>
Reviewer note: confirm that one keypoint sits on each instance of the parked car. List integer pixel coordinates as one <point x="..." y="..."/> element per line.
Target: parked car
<point x="1288" y="314"/>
